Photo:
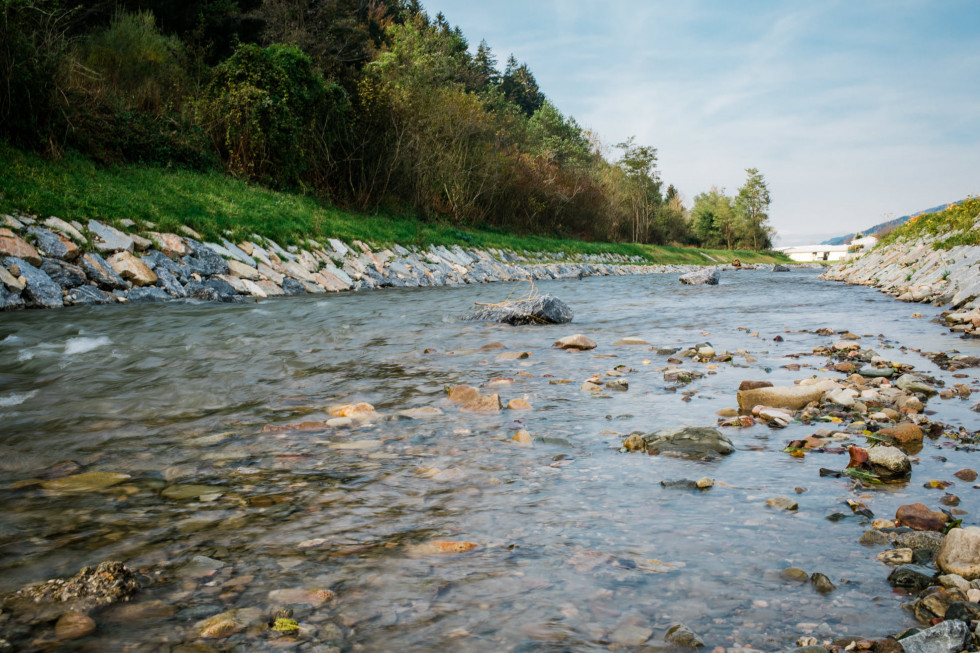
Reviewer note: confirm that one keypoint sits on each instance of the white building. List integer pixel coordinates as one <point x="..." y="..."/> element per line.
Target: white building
<point x="810" y="253"/>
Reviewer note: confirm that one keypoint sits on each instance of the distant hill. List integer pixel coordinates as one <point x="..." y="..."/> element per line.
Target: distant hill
<point x="885" y="226"/>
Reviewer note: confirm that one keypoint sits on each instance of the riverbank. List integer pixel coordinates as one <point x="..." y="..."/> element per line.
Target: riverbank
<point x="927" y="266"/>
<point x="51" y="263"/>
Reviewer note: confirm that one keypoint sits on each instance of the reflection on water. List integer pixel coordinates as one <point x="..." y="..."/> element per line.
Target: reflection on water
<point x="580" y="547"/>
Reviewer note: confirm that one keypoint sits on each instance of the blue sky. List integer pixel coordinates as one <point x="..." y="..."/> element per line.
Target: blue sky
<point x="855" y="112"/>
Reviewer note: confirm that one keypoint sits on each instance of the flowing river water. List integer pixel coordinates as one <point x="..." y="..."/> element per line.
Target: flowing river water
<point x="579" y="546"/>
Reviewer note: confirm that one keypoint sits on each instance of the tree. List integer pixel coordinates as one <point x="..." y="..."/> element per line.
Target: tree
<point x="486" y="64"/>
<point x="752" y="209"/>
<point x="713" y="219"/>
<point x="641" y="186"/>
<point x="519" y="86"/>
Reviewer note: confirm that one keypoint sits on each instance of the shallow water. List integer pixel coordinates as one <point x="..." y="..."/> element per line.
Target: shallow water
<point x="578" y="544"/>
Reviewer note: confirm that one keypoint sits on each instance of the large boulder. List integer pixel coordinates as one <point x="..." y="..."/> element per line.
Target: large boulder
<point x="100" y="272"/>
<point x="109" y="240"/>
<point x="132" y="269"/>
<point x="694" y="441"/>
<point x="53" y="245"/>
<point x="947" y="637"/>
<point x="960" y="553"/>
<point x="705" y="276"/>
<point x="40" y="290"/>
<point x="13" y="245"/>
<point x="546" y="309"/>
<point x="204" y="260"/>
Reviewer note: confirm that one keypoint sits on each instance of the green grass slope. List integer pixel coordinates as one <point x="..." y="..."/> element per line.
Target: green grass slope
<point x="215" y="204"/>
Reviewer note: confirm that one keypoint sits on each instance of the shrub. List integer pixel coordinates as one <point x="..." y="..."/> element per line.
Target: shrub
<point x="271" y="116"/>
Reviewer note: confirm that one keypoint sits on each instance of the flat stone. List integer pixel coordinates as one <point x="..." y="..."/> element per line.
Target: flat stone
<point x="705" y="276"/>
<point x="914" y="578"/>
<point x="242" y="270"/>
<point x="792" y="397"/>
<point x="918" y="517"/>
<point x="109" y="240"/>
<point x="484" y="404"/>
<point x="947" y="637"/>
<point x="906" y="433"/>
<point x="85" y="482"/>
<point x="578" y="341"/>
<point x="63" y="273"/>
<point x="88" y="296"/>
<point x="694" y="441"/>
<point x="10" y="281"/>
<point x="13" y="245"/>
<point x="132" y="269"/>
<point x="889" y="463"/>
<point x="171" y="245"/>
<point x="73" y="625"/>
<point x="68" y="230"/>
<point x="782" y="503"/>
<point x="542" y="310"/>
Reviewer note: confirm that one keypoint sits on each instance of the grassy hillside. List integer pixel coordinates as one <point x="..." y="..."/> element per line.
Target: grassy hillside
<point x="955" y="223"/>
<point x="214" y="204"/>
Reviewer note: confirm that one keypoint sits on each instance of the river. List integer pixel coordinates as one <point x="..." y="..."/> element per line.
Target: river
<point x="579" y="546"/>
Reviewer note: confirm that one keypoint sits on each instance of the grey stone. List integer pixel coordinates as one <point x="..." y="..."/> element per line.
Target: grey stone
<point x="204" y="260"/>
<point x="681" y="635"/>
<point x="912" y="383"/>
<point x="51" y="245"/>
<point x="291" y="286"/>
<point x="546" y="309"/>
<point x="889" y="463"/>
<point x="100" y="272"/>
<point x="40" y="291"/>
<point x="918" y="540"/>
<point x="780" y="268"/>
<point x="68" y="230"/>
<point x="88" y="296"/>
<point x="109" y="240"/>
<point x="947" y="637"/>
<point x="912" y="577"/>
<point x="157" y="260"/>
<point x="147" y="295"/>
<point x="167" y="281"/>
<point x="64" y="274"/>
<point x="705" y="276"/>
<point x="10" y="300"/>
<point x="694" y="441"/>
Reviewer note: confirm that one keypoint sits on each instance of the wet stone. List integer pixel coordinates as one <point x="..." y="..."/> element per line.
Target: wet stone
<point x="914" y="578"/>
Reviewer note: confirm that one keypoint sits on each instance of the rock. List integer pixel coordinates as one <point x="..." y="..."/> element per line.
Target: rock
<point x="88" y="296"/>
<point x="90" y="588"/>
<point x="918" y="517"/>
<point x="792" y="397"/>
<point x="896" y="557"/>
<point x="889" y="463"/>
<point x="906" y="433"/>
<point x="782" y="503"/>
<point x="85" y="482"/>
<point x="484" y="404"/>
<point x="523" y="438"/>
<point x="578" y="341"/>
<point x="754" y="385"/>
<point x="630" y="340"/>
<point x="359" y="410"/>
<point x="64" y="274"/>
<point x="243" y="270"/>
<point x="293" y="596"/>
<point x="204" y="260"/>
<point x="794" y="573"/>
<point x="705" y="483"/>
<point x="681" y="635"/>
<point x="695" y="441"/>
<point x="967" y="475"/>
<point x="513" y="356"/>
<point x="100" y="272"/>
<point x="201" y="567"/>
<point x="705" y="276"/>
<point x="955" y="582"/>
<point x="630" y="634"/>
<point x="14" y="283"/>
<point x="634" y="442"/>
<point x="73" y="625"/>
<point x="106" y="239"/>
<point x="227" y="624"/>
<point x="779" y="267"/>
<point x="928" y="541"/>
<point x="14" y="246"/>
<point x="53" y="245"/>
<point x="61" y="226"/>
<point x="959" y="552"/>
<point x="913" y="578"/>
<point x="147" y="295"/>
<point x="617" y="385"/>
<point x="821" y="583"/>
<point x="966" y="611"/>
<point x="10" y="300"/>
<point x="874" y="538"/>
<point x="542" y="310"/>
<point x="463" y="394"/>
<point x="39" y="290"/>
<point x="518" y="404"/>
<point x="947" y="637"/>
<point x="132" y="269"/>
<point x="422" y="412"/>
<point x="171" y="245"/>
<point x="912" y="383"/>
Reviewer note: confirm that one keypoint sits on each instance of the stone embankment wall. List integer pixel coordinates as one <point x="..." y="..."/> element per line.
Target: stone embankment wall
<point x="913" y="271"/>
<point x="51" y="263"/>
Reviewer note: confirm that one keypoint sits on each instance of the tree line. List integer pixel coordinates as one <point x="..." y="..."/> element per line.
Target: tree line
<point x="366" y="103"/>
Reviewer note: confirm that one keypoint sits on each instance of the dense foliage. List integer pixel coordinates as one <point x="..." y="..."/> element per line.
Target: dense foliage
<point x="957" y="224"/>
<point x="370" y="103"/>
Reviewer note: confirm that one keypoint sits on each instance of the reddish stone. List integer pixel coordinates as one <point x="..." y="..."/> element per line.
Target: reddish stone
<point x="967" y="475"/>
<point x="918" y="517"/>
<point x="907" y="433"/>
<point x="752" y="385"/>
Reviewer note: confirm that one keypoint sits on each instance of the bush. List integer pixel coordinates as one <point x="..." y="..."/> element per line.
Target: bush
<point x="33" y="46"/>
<point x="271" y="116"/>
<point x="132" y="63"/>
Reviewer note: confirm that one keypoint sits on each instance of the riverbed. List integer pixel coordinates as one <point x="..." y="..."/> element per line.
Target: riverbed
<point x="578" y="546"/>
